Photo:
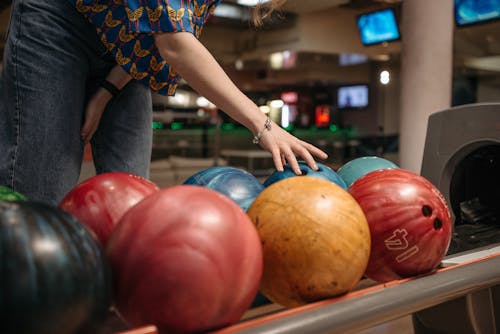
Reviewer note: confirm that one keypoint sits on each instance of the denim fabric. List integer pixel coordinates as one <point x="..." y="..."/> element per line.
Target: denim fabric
<point x="53" y="62"/>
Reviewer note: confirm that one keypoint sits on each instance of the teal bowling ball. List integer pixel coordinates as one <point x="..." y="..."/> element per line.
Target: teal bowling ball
<point x="323" y="172"/>
<point x="359" y="167"/>
<point x="239" y="185"/>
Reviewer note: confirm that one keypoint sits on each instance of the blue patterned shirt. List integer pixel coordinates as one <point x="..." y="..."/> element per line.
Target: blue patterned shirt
<point x="126" y="28"/>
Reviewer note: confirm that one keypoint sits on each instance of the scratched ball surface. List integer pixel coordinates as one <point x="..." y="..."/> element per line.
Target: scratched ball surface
<point x="315" y="240"/>
<point x="236" y="183"/>
<point x="100" y="201"/>
<point x="409" y="220"/>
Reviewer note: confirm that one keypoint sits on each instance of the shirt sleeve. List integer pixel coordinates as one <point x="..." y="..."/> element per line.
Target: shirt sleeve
<point x="150" y="16"/>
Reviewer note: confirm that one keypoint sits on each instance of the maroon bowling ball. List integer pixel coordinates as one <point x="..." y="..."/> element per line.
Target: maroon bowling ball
<point x="186" y="259"/>
<point x="100" y="201"/>
<point x="410" y="223"/>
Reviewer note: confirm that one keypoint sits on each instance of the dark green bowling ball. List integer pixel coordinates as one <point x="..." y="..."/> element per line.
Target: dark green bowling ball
<point x="9" y="195"/>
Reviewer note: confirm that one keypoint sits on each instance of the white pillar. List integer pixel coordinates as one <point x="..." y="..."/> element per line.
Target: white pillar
<point x="426" y="72"/>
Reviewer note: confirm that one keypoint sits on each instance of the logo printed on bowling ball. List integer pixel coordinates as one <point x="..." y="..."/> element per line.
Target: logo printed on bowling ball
<point x="323" y="172"/>
<point x="410" y="224"/>
<point x="398" y="241"/>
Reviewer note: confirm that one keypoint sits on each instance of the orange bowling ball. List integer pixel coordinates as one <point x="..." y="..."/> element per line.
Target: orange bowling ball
<point x="315" y="240"/>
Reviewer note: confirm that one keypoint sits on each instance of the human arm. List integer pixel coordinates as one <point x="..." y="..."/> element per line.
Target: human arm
<point x="97" y="102"/>
<point x="197" y="66"/>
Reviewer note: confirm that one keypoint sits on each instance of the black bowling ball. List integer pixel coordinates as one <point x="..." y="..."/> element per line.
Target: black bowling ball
<point x="54" y="277"/>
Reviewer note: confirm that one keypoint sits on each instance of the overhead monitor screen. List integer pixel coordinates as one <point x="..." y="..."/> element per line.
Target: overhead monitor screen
<point x="378" y="27"/>
<point x="469" y="12"/>
<point x="355" y="96"/>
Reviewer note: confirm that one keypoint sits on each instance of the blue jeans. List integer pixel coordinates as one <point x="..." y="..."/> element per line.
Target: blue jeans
<point x="53" y="62"/>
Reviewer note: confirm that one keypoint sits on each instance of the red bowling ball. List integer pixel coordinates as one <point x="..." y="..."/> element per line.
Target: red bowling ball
<point x="186" y="259"/>
<point x="409" y="220"/>
<point x="100" y="201"/>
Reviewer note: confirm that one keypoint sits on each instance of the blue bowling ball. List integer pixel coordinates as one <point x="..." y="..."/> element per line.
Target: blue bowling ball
<point x="323" y="172"/>
<point x="237" y="184"/>
<point x="358" y="167"/>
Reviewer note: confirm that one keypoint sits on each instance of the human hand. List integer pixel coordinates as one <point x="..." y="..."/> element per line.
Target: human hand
<point x="285" y="148"/>
<point x="93" y="112"/>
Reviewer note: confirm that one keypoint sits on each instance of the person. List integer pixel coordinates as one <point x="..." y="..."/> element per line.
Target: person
<point x="79" y="71"/>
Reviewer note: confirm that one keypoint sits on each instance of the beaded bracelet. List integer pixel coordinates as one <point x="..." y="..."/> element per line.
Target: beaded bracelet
<point x="267" y="126"/>
<point x="110" y="87"/>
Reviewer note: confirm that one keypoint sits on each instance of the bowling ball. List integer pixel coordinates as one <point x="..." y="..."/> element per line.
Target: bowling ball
<point x="323" y="172"/>
<point x="409" y="221"/>
<point x="238" y="184"/>
<point x="358" y="167"/>
<point x="54" y="277"/>
<point x="185" y="259"/>
<point x="315" y="240"/>
<point x="100" y="201"/>
<point x="7" y="194"/>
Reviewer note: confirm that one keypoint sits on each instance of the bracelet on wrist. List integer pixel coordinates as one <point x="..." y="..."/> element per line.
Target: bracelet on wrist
<point x="110" y="87"/>
<point x="258" y="136"/>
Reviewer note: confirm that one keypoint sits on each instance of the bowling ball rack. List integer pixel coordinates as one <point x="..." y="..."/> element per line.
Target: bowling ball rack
<point x="463" y="295"/>
<point x="466" y="275"/>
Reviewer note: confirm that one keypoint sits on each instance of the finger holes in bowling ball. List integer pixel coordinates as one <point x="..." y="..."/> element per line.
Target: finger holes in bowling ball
<point x="438" y="224"/>
<point x="426" y="211"/>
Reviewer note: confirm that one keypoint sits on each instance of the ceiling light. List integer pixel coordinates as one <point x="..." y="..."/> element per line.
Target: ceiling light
<point x="385" y="77"/>
<point x="250" y="3"/>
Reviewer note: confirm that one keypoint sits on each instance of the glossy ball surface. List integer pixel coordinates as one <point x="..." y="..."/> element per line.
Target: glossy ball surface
<point x="409" y="220"/>
<point x="186" y="259"/>
<point x="54" y="277"/>
<point x="356" y="168"/>
<point x="237" y="184"/>
<point x="100" y="201"/>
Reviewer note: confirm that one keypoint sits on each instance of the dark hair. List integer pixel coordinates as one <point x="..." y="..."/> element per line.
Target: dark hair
<point x="264" y="10"/>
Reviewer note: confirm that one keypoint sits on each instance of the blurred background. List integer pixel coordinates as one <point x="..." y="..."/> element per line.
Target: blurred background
<point x="328" y="71"/>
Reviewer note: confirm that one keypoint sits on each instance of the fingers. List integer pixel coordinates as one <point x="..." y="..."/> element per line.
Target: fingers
<point x="303" y="150"/>
<point x="87" y="133"/>
<point x="93" y="113"/>
<point x="90" y="125"/>
<point x="285" y="149"/>
<point x="84" y="132"/>
<point x="313" y="150"/>
<point x="292" y="161"/>
<point x="278" y="160"/>
<point x="308" y="158"/>
<point x="283" y="160"/>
